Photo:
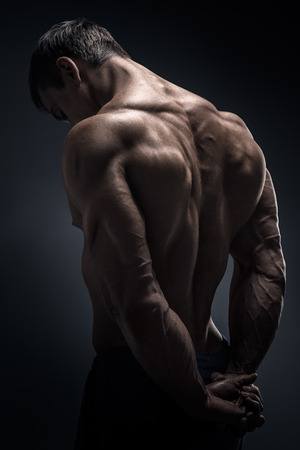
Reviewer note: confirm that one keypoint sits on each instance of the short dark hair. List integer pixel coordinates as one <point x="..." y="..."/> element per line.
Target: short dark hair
<point x="75" y="38"/>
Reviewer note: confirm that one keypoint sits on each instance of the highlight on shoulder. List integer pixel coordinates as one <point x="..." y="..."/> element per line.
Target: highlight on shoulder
<point x="87" y="133"/>
<point x="110" y="132"/>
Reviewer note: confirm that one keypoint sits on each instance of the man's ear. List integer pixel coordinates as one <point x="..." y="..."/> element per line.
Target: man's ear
<point x="69" y="69"/>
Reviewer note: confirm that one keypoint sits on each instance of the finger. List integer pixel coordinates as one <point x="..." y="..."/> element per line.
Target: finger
<point x="253" y="389"/>
<point x="252" y="399"/>
<point x="261" y="421"/>
<point x="250" y="388"/>
<point x="239" y="401"/>
<point x="216" y="376"/>
<point x="242" y="380"/>
<point x="253" y="405"/>
<point x="247" y="424"/>
<point x="254" y="395"/>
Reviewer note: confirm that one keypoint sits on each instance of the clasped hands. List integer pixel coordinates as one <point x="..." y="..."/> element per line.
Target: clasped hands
<point x="239" y="391"/>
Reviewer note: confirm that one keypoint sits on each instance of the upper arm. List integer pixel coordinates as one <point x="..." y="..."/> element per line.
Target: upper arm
<point x="113" y="226"/>
<point x="258" y="244"/>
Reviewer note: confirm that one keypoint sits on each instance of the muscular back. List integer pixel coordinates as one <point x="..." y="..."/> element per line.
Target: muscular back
<point x="187" y="176"/>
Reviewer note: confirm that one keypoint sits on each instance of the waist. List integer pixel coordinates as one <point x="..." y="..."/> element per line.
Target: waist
<point x="207" y="362"/>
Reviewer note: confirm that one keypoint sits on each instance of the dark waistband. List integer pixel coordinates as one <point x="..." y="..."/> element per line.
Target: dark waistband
<point x="211" y="360"/>
<point x="214" y="361"/>
<point x="205" y="359"/>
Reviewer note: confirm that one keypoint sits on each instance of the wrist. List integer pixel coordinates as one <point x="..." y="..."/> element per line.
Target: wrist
<point x="238" y="369"/>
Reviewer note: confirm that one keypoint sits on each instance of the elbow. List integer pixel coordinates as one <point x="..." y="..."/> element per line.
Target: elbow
<point x="134" y="303"/>
<point x="138" y="323"/>
<point x="271" y="288"/>
<point x="270" y="263"/>
<point x="281" y="282"/>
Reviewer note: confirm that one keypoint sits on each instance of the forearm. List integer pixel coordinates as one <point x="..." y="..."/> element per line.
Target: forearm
<point x="159" y="340"/>
<point x="258" y="284"/>
<point x="162" y="345"/>
<point x="255" y="309"/>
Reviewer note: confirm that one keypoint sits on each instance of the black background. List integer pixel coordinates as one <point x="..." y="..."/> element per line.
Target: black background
<point x="242" y="58"/>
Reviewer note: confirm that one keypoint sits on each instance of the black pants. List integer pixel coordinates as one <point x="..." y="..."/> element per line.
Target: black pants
<point x="123" y="408"/>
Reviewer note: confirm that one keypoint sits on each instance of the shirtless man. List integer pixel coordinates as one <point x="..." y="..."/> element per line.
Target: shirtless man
<point x="164" y="187"/>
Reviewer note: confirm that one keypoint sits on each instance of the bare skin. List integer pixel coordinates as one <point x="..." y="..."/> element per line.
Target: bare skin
<point x="165" y="187"/>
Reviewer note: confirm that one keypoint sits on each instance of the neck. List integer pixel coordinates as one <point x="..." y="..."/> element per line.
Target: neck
<point x="112" y="79"/>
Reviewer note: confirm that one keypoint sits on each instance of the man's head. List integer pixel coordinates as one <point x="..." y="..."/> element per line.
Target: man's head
<point x="54" y="57"/>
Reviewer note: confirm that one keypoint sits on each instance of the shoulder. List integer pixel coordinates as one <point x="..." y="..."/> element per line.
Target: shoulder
<point x="94" y="143"/>
<point x="97" y="134"/>
<point x="240" y="158"/>
<point x="105" y="134"/>
<point x="86" y="146"/>
<point x="242" y="153"/>
<point x="221" y="128"/>
<point x="226" y="135"/>
<point x="100" y="138"/>
<point x="244" y="169"/>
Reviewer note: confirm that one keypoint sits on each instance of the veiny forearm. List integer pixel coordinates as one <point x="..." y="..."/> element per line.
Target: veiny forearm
<point x="258" y="284"/>
<point x="255" y="309"/>
<point x="157" y="337"/>
<point x="162" y="345"/>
